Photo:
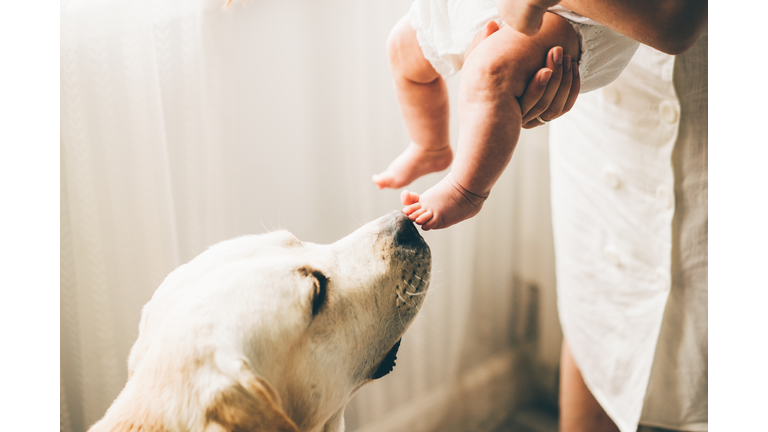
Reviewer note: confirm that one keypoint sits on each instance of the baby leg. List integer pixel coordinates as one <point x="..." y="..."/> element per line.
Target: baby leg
<point x="494" y="76"/>
<point x="423" y="99"/>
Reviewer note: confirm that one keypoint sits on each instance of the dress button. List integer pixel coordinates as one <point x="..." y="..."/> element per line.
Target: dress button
<point x="612" y="178"/>
<point x="664" y="196"/>
<point x="611" y="95"/>
<point x="668" y="112"/>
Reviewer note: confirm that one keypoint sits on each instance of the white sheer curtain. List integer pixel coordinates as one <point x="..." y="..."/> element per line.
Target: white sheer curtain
<point x="183" y="125"/>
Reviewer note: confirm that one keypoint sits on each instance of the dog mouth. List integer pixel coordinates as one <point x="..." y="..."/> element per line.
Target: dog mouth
<point x="386" y="365"/>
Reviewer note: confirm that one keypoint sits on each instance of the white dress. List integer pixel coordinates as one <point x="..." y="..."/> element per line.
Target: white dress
<point x="629" y="212"/>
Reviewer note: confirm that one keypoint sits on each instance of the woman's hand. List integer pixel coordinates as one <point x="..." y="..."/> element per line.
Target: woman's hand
<point x="552" y="91"/>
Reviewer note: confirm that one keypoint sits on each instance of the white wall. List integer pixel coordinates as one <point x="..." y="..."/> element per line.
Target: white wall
<point x="182" y="125"/>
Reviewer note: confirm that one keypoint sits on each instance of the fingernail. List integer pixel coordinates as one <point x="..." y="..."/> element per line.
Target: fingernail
<point x="545" y="76"/>
<point x="567" y="63"/>
<point x="558" y="56"/>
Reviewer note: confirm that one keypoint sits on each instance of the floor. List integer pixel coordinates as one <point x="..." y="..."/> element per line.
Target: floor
<point x="533" y="419"/>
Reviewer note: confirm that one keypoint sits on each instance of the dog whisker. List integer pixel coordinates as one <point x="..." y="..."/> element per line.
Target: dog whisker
<point x="428" y="324"/>
<point x="421" y="318"/>
<point x="400" y="318"/>
<point x="401" y="298"/>
<point x="414" y="294"/>
<point x="265" y="227"/>
<point x="433" y="287"/>
<point x="425" y="317"/>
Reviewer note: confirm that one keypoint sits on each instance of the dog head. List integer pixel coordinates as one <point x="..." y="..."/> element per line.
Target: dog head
<point x="273" y="327"/>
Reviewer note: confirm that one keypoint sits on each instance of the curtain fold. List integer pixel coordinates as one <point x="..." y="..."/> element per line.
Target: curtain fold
<point x="183" y="125"/>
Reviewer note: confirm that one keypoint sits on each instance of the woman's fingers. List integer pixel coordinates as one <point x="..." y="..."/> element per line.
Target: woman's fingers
<point x="539" y="84"/>
<point x="556" y="107"/>
<point x="535" y="90"/>
<point x="552" y="91"/>
<point x="575" y="88"/>
<point x="554" y="62"/>
<point x="532" y="124"/>
<point x="569" y="102"/>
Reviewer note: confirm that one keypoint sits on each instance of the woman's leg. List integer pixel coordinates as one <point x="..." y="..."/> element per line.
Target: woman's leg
<point x="579" y="411"/>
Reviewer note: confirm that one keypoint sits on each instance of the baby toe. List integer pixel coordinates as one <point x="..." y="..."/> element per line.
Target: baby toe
<point x="424" y="217"/>
<point x="408" y="198"/>
<point x="412" y="208"/>
<point x="432" y="223"/>
<point x="413" y="216"/>
<point x="383" y="180"/>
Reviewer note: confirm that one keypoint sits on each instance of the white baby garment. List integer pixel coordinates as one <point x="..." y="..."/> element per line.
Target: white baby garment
<point x="445" y="29"/>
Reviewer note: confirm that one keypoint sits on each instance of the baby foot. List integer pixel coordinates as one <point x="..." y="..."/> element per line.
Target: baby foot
<point x="490" y="28"/>
<point x="444" y="204"/>
<point x="413" y="163"/>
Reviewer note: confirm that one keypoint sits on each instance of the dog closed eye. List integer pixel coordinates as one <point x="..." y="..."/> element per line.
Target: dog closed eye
<point x="319" y="287"/>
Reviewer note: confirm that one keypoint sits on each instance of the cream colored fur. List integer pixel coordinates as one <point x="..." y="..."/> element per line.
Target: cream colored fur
<point x="229" y="341"/>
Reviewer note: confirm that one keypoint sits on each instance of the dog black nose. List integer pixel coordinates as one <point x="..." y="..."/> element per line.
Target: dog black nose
<point x="406" y="233"/>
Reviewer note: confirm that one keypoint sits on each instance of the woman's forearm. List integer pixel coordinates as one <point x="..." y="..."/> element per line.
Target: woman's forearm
<point x="670" y="26"/>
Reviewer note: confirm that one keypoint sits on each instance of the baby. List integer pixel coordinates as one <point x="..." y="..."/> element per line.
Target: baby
<point x="430" y="44"/>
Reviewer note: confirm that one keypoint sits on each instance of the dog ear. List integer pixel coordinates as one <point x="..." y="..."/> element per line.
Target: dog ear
<point x="250" y="405"/>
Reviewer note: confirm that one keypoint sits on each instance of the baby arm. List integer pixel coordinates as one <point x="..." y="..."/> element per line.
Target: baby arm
<point x="495" y="75"/>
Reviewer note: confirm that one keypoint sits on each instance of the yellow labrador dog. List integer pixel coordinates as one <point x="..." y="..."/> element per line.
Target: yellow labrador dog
<point x="269" y="333"/>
